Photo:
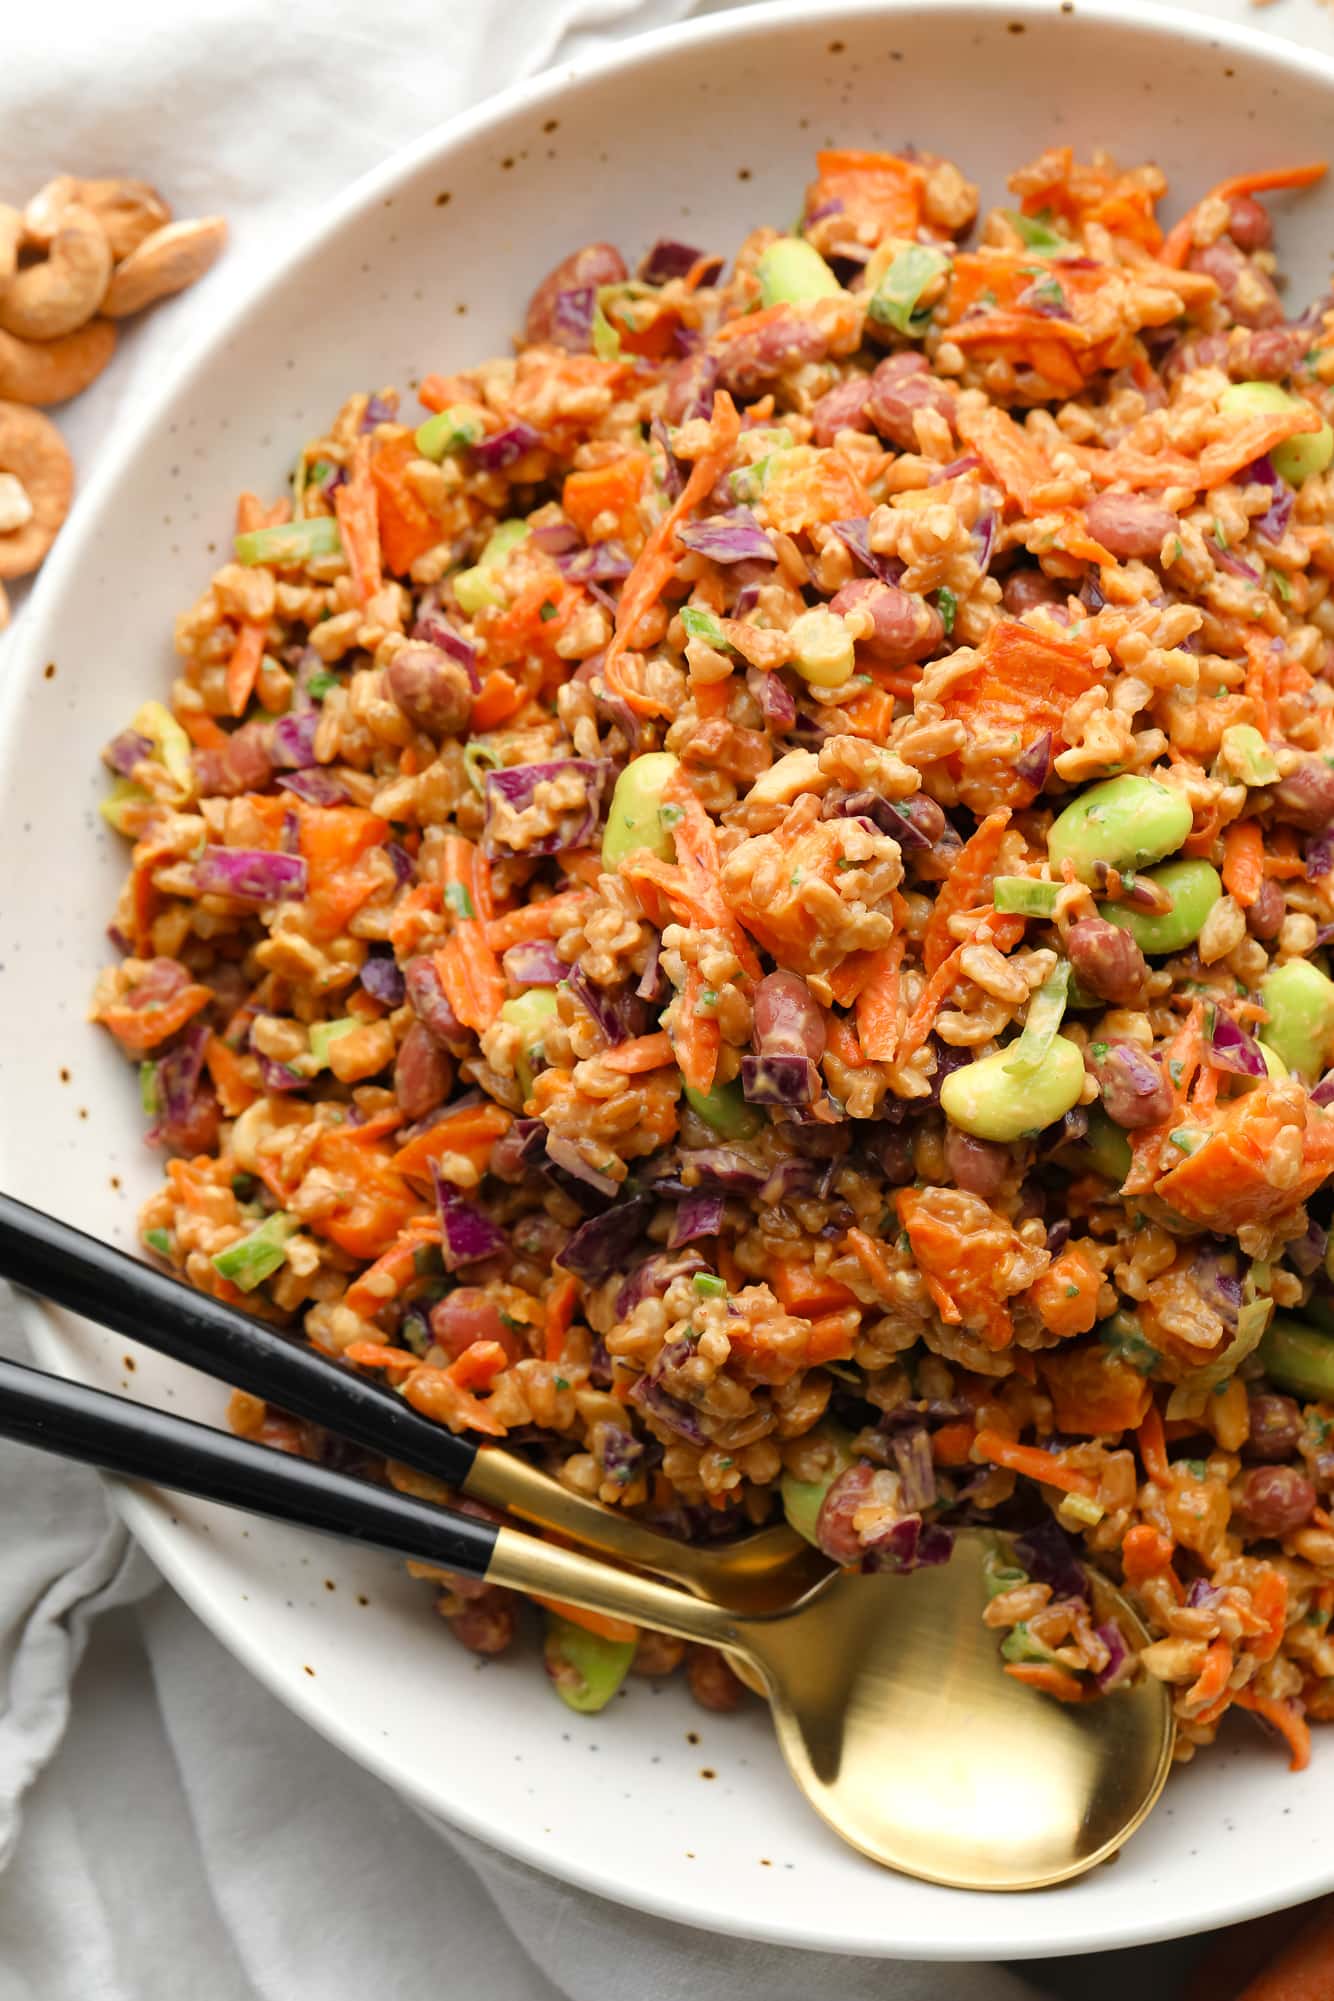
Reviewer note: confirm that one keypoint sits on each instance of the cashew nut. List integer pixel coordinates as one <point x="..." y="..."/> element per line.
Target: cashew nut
<point x="43" y="301"/>
<point x="41" y="218"/>
<point x="127" y="210"/>
<point x="11" y="235"/>
<point x="32" y="449"/>
<point x="165" y="262"/>
<point x="51" y="371"/>
<point x="16" y="510"/>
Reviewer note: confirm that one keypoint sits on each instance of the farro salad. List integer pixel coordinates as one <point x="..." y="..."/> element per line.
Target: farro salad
<point x="743" y="907"/>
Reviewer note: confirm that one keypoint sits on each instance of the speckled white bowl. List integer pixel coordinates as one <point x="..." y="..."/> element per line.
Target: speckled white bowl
<point x="699" y="133"/>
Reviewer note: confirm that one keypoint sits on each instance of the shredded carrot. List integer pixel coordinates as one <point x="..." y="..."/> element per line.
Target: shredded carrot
<point x="406" y="526"/>
<point x="1177" y="243"/>
<point x="918" y="1025"/>
<point x="871" y="1258"/>
<point x="1032" y="1463"/>
<point x="1213" y="1676"/>
<point x="970" y="874"/>
<point x="644" y="1052"/>
<point x="604" y="1624"/>
<point x="434" y="392"/>
<point x="536" y="920"/>
<point x="1244" y="861"/>
<point x="696" y="1037"/>
<point x="1047" y="1679"/>
<point x="139" y="1029"/>
<point x="808" y="1293"/>
<point x="560" y="1304"/>
<point x="952" y="1444"/>
<point x="842" y="1042"/>
<point x="1287" y="1719"/>
<point x="653" y="567"/>
<point x="1153" y="1447"/>
<point x="472" y="1131"/>
<point x="201" y="729"/>
<point x="878" y="1003"/>
<point x="469" y="970"/>
<point x="381" y="1282"/>
<point x="379" y="1355"/>
<point x="247" y="657"/>
<point x="358" y="524"/>
<point x="235" y="1092"/>
<point x="1269" y="1601"/>
<point x="1145" y="1552"/>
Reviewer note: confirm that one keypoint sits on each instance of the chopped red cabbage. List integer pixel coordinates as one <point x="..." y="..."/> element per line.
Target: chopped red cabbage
<point x="584" y="1184"/>
<point x="316" y="786"/>
<point x="1120" y="1662"/>
<point x="734" y="537"/>
<point x="1273" y="523"/>
<point x="430" y="1002"/>
<point x="1231" y="1048"/>
<point x="379" y="410"/>
<point x="556" y="538"/>
<point x="669" y="259"/>
<point x="1308" y="1252"/>
<point x="435" y="630"/>
<point x="674" y="472"/>
<point x="292" y="742"/>
<point x="572" y="317"/>
<point x="178" y="1074"/>
<point x="697" y="1215"/>
<point x="405" y="868"/>
<point x="601" y="562"/>
<point x="381" y="977"/>
<point x="1323" y="1094"/>
<point x="725" y="1167"/>
<point x="955" y="469"/>
<point x="277" y="1076"/>
<point x="604" y="1243"/>
<point x="467" y="1234"/>
<point x="618" y="1011"/>
<point x="799" y="1175"/>
<point x="1034" y="764"/>
<point x="854" y="535"/>
<point x="1234" y="565"/>
<point x="1050" y="1556"/>
<point x="125" y="751"/>
<point x="891" y="817"/>
<point x="651" y="1279"/>
<point x="916" y="1470"/>
<point x="783" y="1079"/>
<point x="250" y="875"/>
<point x="669" y="1410"/>
<point x="984" y="533"/>
<point x="534" y="963"/>
<point x="516" y="784"/>
<point x="652" y="981"/>
<point x="777" y="703"/>
<point x="505" y="448"/>
<point x="1319" y="855"/>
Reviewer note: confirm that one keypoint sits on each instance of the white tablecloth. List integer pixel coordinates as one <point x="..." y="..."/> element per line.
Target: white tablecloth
<point x="172" y="1830"/>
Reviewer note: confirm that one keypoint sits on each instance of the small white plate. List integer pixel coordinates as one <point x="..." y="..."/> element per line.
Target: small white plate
<point x="698" y="133"/>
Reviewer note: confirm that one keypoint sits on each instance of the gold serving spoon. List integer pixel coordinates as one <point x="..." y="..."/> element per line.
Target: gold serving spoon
<point x="888" y="1695"/>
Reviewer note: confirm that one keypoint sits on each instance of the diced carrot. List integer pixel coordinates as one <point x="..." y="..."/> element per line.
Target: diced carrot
<point x="337" y="842"/>
<point x="1031" y="1463"/>
<point x="972" y="871"/>
<point x="870" y="714"/>
<point x="434" y="393"/>
<point x="1269" y="1600"/>
<point x="1023" y="685"/>
<point x="604" y="1624"/>
<point x="878" y="194"/>
<point x="1177" y="244"/>
<point x="499" y="697"/>
<point x="1093" y="1391"/>
<point x="644" y="1052"/>
<point x="478" y="1366"/>
<point x="560" y="1304"/>
<point x="1145" y="1552"/>
<point x="832" y="1337"/>
<point x="653" y="567"/>
<point x="201" y="729"/>
<point x="613" y="489"/>
<point x="878" y="1004"/>
<point x="247" y="657"/>
<point x="382" y="1281"/>
<point x="1288" y="1719"/>
<point x="1244" y="861"/>
<point x="407" y="527"/>
<point x="696" y="1037"/>
<point x="1048" y="1679"/>
<point x="1066" y="1295"/>
<point x="842" y="1041"/>
<point x="959" y="1267"/>
<point x="545" y="919"/>
<point x="1153" y="1447"/>
<point x="1223" y="1184"/>
<point x="952" y="1444"/>
<point x="358" y="523"/>
<point x="235" y="1092"/>
<point x="1011" y="454"/>
<point x="471" y="1131"/>
<point x="808" y="1293"/>
<point x="918" y="1025"/>
<point x="139" y="1029"/>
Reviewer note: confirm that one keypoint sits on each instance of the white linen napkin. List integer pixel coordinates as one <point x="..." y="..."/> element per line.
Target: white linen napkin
<point x="190" y="1834"/>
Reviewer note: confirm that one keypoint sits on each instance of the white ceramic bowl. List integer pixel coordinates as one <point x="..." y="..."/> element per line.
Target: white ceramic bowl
<point x="699" y="133"/>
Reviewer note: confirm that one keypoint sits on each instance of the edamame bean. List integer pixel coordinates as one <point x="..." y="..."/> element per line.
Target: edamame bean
<point x="635" y="816"/>
<point x="1247" y="754"/>
<point x="1296" y="458"/>
<point x="1194" y="888"/>
<point x="822" y="648"/>
<point x="790" y="270"/>
<point x="984" y="1099"/>
<point x="530" y="1014"/>
<point x="586" y="1669"/>
<point x="725" y="1109"/>
<point x="1124" y="822"/>
<point x="1297" y="1357"/>
<point x="1273" y="1062"/>
<point x="803" y="1499"/>
<point x="479" y="586"/>
<point x="1106" y="1147"/>
<point x="1300" y="1029"/>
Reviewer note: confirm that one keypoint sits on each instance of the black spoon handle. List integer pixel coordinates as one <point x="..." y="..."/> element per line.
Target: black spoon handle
<point x="141" y="1443"/>
<point x="62" y="1264"/>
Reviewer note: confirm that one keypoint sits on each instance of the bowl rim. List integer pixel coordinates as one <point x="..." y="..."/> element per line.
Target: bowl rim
<point x="146" y="1511"/>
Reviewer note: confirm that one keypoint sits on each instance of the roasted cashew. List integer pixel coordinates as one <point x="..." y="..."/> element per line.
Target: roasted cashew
<point x="11" y="235"/>
<point x="51" y="371"/>
<point x="32" y="449"/>
<point x="165" y="262"/>
<point x="43" y="301"/>
<point x="127" y="210"/>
